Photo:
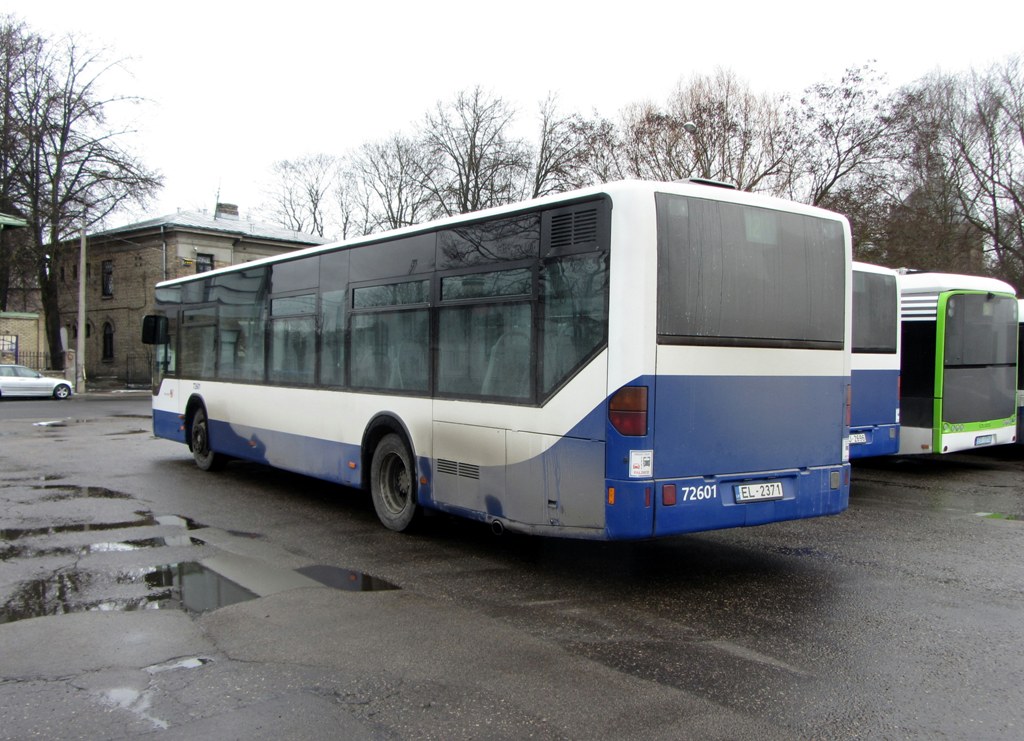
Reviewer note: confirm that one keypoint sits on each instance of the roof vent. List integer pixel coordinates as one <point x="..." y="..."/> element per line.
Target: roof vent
<point x="712" y="183"/>
<point x="575" y="228"/>
<point x="226" y="211"/>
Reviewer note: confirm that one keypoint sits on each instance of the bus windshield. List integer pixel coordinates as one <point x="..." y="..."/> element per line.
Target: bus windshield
<point x="731" y="274"/>
<point x="980" y="358"/>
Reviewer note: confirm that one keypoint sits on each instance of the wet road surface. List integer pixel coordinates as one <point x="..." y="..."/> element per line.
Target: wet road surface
<point x="138" y="595"/>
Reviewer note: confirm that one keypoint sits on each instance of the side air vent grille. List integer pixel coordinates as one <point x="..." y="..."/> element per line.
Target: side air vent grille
<point x="919" y="307"/>
<point x="455" y="468"/>
<point x="575" y="228"/>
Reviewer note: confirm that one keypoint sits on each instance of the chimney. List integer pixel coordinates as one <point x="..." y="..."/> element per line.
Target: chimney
<point x="226" y="211"/>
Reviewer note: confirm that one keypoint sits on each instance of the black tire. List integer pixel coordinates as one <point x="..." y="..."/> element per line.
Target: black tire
<point x="63" y="391"/>
<point x="393" y="484"/>
<point x="205" y="458"/>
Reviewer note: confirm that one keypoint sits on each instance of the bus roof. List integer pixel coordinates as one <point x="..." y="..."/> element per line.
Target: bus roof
<point x="938" y="282"/>
<point x="866" y="267"/>
<point x="617" y="189"/>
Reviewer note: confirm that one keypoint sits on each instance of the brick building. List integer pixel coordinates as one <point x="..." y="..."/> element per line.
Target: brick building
<point x="124" y="264"/>
<point x="21" y="338"/>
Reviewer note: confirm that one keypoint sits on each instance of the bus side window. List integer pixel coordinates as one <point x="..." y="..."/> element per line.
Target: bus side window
<point x="575" y="295"/>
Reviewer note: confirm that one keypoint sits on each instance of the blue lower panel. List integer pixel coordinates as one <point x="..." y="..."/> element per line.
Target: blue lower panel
<point x="879" y="440"/>
<point x="322" y="459"/>
<point x="711" y="503"/>
<point x="709" y="424"/>
<point x="874" y="397"/>
<point x="169" y="425"/>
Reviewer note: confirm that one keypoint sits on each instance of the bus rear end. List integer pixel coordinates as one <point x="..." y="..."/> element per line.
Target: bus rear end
<point x="875" y="365"/>
<point x="747" y="408"/>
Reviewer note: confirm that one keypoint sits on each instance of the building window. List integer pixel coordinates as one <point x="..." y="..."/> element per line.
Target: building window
<point x="204" y="263"/>
<point x="108" y="278"/>
<point x="108" y="341"/>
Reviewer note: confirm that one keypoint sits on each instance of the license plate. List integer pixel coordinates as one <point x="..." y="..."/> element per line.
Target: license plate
<point x="984" y="439"/>
<point x="858" y="438"/>
<point x="758" y="492"/>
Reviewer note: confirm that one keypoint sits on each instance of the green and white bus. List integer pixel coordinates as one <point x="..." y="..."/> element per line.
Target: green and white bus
<point x="958" y="369"/>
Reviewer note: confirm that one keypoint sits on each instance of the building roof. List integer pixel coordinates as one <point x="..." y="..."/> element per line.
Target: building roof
<point x="233" y="225"/>
<point x="11" y="222"/>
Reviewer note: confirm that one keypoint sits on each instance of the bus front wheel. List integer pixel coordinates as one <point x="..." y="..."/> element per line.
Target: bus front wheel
<point x="393" y="484"/>
<point x="204" y="457"/>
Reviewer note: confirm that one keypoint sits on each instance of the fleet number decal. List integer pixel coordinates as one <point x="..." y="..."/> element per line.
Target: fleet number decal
<point x="696" y="493"/>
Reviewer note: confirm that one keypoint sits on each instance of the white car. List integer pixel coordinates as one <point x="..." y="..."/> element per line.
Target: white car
<point x="17" y="380"/>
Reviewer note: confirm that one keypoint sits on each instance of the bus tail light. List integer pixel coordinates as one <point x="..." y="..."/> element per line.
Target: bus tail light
<point x="627" y="411"/>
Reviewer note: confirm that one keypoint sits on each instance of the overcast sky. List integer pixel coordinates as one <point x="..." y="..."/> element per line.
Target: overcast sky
<point x="232" y="87"/>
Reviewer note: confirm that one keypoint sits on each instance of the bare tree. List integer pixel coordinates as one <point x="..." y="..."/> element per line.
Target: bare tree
<point x="474" y="161"/>
<point x="713" y="127"/>
<point x="74" y="171"/>
<point x="300" y="199"/>
<point x="352" y="200"/>
<point x="916" y="188"/>
<point x="393" y="173"/>
<point x="17" y="49"/>
<point x="986" y="131"/>
<point x="562" y="152"/>
<point x="654" y="145"/>
<point x="846" y="129"/>
<point x="958" y="174"/>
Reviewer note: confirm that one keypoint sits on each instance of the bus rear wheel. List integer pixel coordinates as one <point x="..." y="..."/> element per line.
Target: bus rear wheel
<point x="393" y="484"/>
<point x="205" y="458"/>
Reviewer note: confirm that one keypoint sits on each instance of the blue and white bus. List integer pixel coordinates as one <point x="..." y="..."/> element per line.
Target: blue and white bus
<point x="958" y="371"/>
<point x="620" y="362"/>
<point x="875" y="374"/>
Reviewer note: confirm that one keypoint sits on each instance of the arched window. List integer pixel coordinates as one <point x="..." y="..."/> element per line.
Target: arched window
<point x="108" y="341"/>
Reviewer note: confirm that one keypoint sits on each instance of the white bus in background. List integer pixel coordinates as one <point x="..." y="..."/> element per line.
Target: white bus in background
<point x="875" y="376"/>
<point x="958" y="372"/>
<point x="1020" y="371"/>
<point x="626" y="361"/>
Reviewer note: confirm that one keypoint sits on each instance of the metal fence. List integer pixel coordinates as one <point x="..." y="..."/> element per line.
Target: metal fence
<point x="39" y="361"/>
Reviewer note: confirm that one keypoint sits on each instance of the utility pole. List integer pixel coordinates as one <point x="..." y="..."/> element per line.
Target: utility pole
<point x="80" y="345"/>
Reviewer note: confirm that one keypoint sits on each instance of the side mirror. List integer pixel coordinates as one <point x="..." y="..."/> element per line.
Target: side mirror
<point x="154" y="330"/>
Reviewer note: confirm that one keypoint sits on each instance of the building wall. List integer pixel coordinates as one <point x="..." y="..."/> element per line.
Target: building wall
<point x="138" y="264"/>
<point x="28" y="329"/>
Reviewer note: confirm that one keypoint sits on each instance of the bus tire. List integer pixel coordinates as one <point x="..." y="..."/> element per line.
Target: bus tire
<point x="393" y="484"/>
<point x="205" y="458"/>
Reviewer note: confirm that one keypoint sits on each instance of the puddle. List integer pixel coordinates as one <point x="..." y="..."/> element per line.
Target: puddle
<point x="8" y="553"/>
<point x="188" y="586"/>
<point x="178" y="521"/>
<point x="193" y="587"/>
<point x="145" y="519"/>
<point x="350" y="581"/>
<point x="244" y="534"/>
<point x="998" y="516"/>
<point x="191" y="663"/>
<point x="63" y="492"/>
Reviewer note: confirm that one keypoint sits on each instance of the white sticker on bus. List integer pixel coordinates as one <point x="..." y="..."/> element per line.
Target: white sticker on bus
<point x="641" y="464"/>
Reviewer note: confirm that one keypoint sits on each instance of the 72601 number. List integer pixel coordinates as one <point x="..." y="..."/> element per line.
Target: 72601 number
<point x="697" y="493"/>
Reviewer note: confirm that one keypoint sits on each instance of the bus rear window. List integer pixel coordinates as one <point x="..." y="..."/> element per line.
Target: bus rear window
<point x="730" y="274"/>
<point x="874" y="312"/>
